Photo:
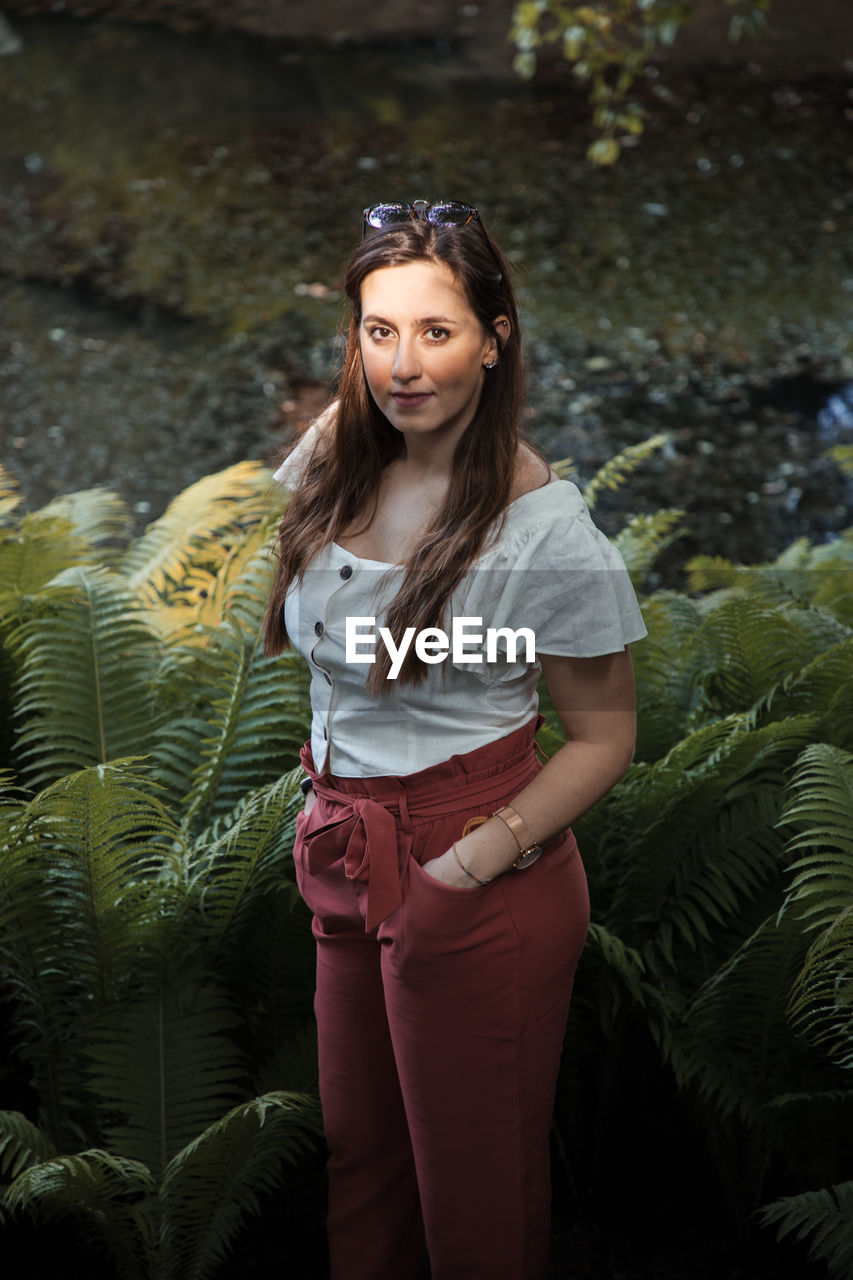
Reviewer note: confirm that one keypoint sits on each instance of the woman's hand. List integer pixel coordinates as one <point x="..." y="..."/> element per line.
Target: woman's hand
<point x="447" y="871"/>
<point x="310" y="801"/>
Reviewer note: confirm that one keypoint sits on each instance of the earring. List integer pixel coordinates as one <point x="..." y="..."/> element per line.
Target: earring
<point x="490" y="364"/>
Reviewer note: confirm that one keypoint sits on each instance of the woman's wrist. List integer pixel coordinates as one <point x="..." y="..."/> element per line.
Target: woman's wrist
<point x="488" y="851"/>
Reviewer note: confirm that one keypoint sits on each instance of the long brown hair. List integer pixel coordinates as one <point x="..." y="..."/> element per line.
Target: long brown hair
<point x="341" y="479"/>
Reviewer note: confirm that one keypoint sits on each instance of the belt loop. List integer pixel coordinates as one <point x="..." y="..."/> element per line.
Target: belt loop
<point x="403" y="805"/>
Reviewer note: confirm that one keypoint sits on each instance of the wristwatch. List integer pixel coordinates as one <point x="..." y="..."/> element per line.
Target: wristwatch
<point x="529" y="849"/>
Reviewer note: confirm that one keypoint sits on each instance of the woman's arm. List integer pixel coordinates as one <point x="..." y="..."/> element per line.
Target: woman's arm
<point x="594" y="698"/>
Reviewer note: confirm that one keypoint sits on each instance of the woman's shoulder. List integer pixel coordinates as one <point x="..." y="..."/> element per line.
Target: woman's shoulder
<point x="546" y="516"/>
<point x="532" y="472"/>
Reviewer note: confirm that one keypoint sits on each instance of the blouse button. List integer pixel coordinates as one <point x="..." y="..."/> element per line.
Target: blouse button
<point x="318" y="628"/>
<point x="346" y="571"/>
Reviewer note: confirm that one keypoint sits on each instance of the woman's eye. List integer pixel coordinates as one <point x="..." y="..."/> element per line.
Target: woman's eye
<point x="379" y="331"/>
<point x="438" y="334"/>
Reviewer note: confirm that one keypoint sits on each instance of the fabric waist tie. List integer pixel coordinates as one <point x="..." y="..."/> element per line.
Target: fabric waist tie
<point x="369" y="811"/>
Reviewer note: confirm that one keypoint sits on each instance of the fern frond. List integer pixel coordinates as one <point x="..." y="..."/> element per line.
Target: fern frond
<point x="76" y="866"/>
<point x="823" y="687"/>
<point x="10" y="498"/>
<point x="22" y="1144"/>
<point x="664" y="673"/>
<point x="842" y="454"/>
<point x="688" y="843"/>
<point x="165" y="1067"/>
<point x="218" y="1179"/>
<point x="751" y="650"/>
<point x="734" y="1040"/>
<point x="564" y="467"/>
<point x="711" y="573"/>
<point x="111" y="1194"/>
<point x="94" y="516"/>
<point x="826" y="1216"/>
<point x="88" y="664"/>
<point x="645" y="537"/>
<point x="820" y="808"/>
<point x="206" y="518"/>
<point x="616" y="470"/>
<point x="31" y="554"/>
<point x="210" y="591"/>
<point x="239" y="722"/>
<point x="246" y="862"/>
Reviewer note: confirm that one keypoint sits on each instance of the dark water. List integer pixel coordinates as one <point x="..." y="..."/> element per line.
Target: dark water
<point x="174" y="212"/>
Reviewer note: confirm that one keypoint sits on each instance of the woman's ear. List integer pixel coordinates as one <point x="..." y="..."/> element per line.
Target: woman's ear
<point x="501" y="329"/>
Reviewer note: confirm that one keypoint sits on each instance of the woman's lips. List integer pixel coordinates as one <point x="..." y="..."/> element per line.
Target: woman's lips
<point x="410" y="400"/>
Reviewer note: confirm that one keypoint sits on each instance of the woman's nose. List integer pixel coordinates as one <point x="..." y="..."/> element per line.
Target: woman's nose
<point x="407" y="365"/>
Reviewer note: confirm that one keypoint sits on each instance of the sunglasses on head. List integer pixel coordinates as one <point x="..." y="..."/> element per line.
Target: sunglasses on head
<point x="441" y="213"/>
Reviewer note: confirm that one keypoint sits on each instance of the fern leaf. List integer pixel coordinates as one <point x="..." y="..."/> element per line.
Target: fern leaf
<point x="218" y="1179"/>
<point x="645" y="537"/>
<point x="734" y="1040"/>
<point x="827" y="1217"/>
<point x="843" y="455"/>
<point x="76" y="866"/>
<point x="616" y="470"/>
<point x="246" y="862"/>
<point x="94" y="516"/>
<point x="820" y="808"/>
<point x="165" y="1067"/>
<point x="241" y="724"/>
<point x="237" y="580"/>
<point x="207" y="516"/>
<point x="88" y="662"/>
<point x="22" y="1144"/>
<point x="754" y="649"/>
<point x="30" y="556"/>
<point x="109" y="1193"/>
<point x="10" y="498"/>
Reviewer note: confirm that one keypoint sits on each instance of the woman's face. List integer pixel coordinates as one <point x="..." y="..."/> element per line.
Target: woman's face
<point x="423" y="349"/>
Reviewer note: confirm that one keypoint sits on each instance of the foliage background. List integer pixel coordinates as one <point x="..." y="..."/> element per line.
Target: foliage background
<point x="157" y="959"/>
<point x="168" y="272"/>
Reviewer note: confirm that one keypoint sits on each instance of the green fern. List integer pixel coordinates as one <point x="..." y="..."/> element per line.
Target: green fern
<point x="22" y="1145"/>
<point x="94" y="517"/>
<point x="827" y="1217"/>
<point x="733" y="1040"/>
<point x="202" y="521"/>
<point x="616" y="470"/>
<point x="239" y="721"/>
<point x="212" y="1184"/>
<point x="645" y="537"/>
<point x="76" y="867"/>
<point x="165" y="1066"/>
<point x="88" y="664"/>
<point x="843" y="455"/>
<point x="110" y="1194"/>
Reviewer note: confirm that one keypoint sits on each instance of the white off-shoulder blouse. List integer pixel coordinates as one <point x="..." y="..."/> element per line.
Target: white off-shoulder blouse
<point x="550" y="571"/>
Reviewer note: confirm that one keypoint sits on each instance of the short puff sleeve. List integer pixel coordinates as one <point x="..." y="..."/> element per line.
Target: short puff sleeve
<point x="289" y="474"/>
<point x="551" y="570"/>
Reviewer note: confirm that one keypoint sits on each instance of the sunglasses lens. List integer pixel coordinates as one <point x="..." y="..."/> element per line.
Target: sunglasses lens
<point x="385" y="215"/>
<point x="450" y="213"/>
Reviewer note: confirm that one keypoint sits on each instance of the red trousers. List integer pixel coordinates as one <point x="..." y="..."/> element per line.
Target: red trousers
<point x="441" y="1014"/>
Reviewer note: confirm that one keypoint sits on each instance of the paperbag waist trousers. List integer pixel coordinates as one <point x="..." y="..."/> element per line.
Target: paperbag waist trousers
<point x="441" y="1014"/>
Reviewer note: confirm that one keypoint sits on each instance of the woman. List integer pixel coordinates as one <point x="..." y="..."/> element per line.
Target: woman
<point x="446" y="946"/>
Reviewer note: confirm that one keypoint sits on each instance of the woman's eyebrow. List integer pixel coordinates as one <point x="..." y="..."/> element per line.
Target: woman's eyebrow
<point x="425" y="320"/>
